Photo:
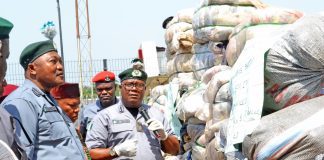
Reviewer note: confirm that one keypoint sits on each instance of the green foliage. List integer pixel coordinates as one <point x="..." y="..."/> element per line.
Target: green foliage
<point x="87" y="94"/>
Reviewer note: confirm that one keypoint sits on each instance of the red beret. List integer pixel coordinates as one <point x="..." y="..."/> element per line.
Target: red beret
<point x="7" y="90"/>
<point x="104" y="76"/>
<point x="66" y="90"/>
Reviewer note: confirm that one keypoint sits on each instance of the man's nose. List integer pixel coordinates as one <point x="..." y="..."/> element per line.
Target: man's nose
<point x="104" y="91"/>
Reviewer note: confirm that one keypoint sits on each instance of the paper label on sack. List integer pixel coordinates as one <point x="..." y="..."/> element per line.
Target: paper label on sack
<point x="173" y="90"/>
<point x="247" y="89"/>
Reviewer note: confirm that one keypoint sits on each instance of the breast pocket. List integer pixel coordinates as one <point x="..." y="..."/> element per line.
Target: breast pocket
<point x="121" y="131"/>
<point x="58" y="128"/>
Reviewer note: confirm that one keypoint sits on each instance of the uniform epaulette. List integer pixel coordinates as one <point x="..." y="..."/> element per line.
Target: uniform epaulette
<point x="36" y="92"/>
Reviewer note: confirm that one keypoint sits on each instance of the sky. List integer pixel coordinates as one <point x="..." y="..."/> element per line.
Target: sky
<point x="117" y="27"/>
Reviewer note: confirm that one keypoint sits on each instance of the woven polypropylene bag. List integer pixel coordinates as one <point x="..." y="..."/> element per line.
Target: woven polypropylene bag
<point x="294" y="69"/>
<point x="276" y="123"/>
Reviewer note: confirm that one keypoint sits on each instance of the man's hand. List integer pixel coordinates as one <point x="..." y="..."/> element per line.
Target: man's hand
<point x="155" y="125"/>
<point x="127" y="148"/>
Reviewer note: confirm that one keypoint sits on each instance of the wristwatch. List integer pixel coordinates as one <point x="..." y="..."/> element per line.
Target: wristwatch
<point x="112" y="152"/>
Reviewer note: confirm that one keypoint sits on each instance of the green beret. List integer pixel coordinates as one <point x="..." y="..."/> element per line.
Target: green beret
<point x="5" y="28"/>
<point x="136" y="60"/>
<point x="132" y="73"/>
<point x="35" y="50"/>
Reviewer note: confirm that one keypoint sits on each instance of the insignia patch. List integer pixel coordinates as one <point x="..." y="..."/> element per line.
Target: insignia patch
<point x="36" y="92"/>
<point x="137" y="73"/>
<point x="50" y="109"/>
<point x="120" y="121"/>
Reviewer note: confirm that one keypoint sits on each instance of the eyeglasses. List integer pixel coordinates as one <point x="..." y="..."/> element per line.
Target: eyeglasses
<point x="129" y="86"/>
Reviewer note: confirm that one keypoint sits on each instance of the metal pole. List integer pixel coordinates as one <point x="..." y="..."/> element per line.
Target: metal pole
<point x="105" y="64"/>
<point x="60" y="29"/>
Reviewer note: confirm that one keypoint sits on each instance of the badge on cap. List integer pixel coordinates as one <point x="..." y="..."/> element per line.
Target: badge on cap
<point x="107" y="78"/>
<point x="137" y="73"/>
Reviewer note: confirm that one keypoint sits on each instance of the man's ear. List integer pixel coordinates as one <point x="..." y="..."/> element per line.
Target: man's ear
<point x="32" y="68"/>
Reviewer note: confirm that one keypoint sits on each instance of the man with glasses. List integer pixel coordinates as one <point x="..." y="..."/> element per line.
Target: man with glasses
<point x="105" y="89"/>
<point x="122" y="131"/>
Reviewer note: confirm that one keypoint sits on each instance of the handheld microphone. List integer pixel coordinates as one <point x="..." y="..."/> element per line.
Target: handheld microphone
<point x="146" y="117"/>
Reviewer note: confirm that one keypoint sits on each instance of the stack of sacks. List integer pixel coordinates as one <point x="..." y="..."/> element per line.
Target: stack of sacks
<point x="205" y="57"/>
<point x="212" y="23"/>
<point x="184" y="80"/>
<point x="217" y="95"/>
<point x="240" y="36"/>
<point x="179" y="38"/>
<point x="294" y="68"/>
<point x="186" y="109"/>
<point x="190" y="103"/>
<point x="214" y="20"/>
<point x="261" y="23"/>
<point x="179" y="33"/>
<point x="204" y="110"/>
<point x="179" y="41"/>
<point x="162" y="97"/>
<point x="158" y="98"/>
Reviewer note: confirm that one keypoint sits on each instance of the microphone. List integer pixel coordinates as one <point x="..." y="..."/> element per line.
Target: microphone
<point x="146" y="117"/>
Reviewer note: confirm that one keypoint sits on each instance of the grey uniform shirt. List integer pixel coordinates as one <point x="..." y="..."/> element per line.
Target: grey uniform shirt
<point x="45" y="130"/>
<point x="88" y="113"/>
<point x="116" y="124"/>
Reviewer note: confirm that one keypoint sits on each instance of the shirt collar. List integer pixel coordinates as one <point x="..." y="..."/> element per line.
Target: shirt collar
<point x="101" y="107"/>
<point x="30" y="85"/>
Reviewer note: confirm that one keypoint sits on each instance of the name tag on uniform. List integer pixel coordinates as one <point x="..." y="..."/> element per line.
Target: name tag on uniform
<point x="50" y="109"/>
<point x="120" y="121"/>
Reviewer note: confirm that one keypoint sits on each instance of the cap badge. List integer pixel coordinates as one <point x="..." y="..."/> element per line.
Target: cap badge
<point x="137" y="73"/>
<point x="107" y="78"/>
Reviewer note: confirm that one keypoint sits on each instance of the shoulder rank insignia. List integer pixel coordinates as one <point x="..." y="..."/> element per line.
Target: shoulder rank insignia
<point x="36" y="92"/>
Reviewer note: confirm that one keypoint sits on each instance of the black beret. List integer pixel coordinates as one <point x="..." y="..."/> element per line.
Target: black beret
<point x="35" y="50"/>
<point x="132" y="73"/>
<point x="166" y="21"/>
